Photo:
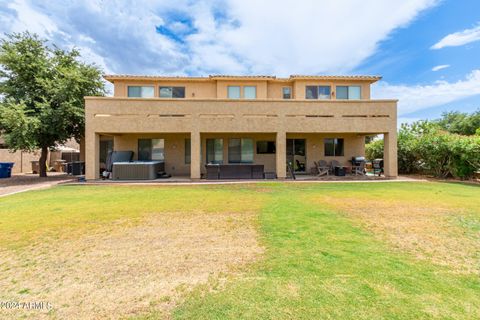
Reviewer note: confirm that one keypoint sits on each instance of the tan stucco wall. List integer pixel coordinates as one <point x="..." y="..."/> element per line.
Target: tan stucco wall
<point x="169" y="115"/>
<point x="266" y="89"/>
<point x="128" y="118"/>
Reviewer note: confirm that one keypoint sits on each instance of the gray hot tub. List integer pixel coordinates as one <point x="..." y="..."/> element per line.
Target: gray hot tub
<point x="137" y="170"/>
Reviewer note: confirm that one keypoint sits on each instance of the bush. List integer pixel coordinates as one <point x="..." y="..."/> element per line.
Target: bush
<point x="374" y="149"/>
<point x="423" y="147"/>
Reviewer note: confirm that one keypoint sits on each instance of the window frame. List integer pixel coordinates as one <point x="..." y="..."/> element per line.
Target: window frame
<point x="289" y="93"/>
<point x="336" y="143"/>
<point x="315" y="89"/>
<point x="242" y="140"/>
<point x="270" y="147"/>
<point x="239" y="92"/>
<point x="141" y="91"/>
<point x="172" y="92"/>
<point x="150" y="152"/>
<point x="359" y="91"/>
<point x="348" y="92"/>
<point x="255" y="89"/>
<point x="324" y="96"/>
<point x="314" y="92"/>
<point x="215" y="160"/>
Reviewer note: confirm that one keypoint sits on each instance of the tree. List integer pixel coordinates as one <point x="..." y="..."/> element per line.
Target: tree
<point x="460" y="122"/>
<point x="41" y="94"/>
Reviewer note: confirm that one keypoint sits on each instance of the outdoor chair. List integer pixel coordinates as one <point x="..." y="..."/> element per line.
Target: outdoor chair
<point x="323" y="168"/>
<point x="334" y="164"/>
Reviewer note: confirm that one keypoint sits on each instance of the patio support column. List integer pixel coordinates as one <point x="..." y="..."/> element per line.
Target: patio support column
<point x="390" y="154"/>
<point x="281" y="155"/>
<point x="92" y="155"/>
<point x="82" y="149"/>
<point x="195" y="158"/>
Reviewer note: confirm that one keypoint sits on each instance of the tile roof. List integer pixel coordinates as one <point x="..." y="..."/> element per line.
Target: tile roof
<point x="337" y="77"/>
<point x="243" y="77"/>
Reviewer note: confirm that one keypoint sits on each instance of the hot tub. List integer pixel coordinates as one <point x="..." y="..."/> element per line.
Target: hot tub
<point x="137" y="170"/>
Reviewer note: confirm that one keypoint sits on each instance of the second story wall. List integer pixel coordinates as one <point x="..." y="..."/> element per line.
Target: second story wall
<point x="261" y="88"/>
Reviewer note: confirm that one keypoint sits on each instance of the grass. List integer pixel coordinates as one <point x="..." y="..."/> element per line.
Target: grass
<point x="334" y="251"/>
<point x="70" y="211"/>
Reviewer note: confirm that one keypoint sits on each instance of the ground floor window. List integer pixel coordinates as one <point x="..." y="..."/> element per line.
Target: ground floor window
<point x="215" y="151"/>
<point x="151" y="149"/>
<point x="265" y="147"/>
<point x="105" y="147"/>
<point x="333" y="147"/>
<point x="240" y="150"/>
<point x="188" y="150"/>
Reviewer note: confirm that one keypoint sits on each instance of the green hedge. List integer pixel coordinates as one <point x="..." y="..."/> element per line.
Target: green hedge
<point x="424" y="148"/>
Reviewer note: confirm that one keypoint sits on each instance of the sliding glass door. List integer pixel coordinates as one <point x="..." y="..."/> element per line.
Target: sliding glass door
<point x="296" y="154"/>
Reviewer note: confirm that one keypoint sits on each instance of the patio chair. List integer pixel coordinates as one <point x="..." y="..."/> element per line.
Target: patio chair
<point x="322" y="168"/>
<point x="334" y="164"/>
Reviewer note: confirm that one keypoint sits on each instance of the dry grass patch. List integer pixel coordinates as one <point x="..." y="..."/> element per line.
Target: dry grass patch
<point x="426" y="231"/>
<point x="128" y="270"/>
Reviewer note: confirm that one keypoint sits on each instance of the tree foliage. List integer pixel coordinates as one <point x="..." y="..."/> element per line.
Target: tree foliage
<point x="424" y="147"/>
<point x="42" y="91"/>
<point x="460" y="122"/>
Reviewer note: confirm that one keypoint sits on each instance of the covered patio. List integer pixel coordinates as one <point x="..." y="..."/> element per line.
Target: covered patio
<point x="249" y="155"/>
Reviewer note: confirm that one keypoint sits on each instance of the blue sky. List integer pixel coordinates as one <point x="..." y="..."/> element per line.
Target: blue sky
<point x="426" y="50"/>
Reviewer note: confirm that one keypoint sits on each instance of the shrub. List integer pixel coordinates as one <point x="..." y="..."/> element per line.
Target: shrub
<point x="423" y="147"/>
<point x="374" y="149"/>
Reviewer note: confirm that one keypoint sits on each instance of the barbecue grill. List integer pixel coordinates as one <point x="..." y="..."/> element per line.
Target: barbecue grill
<point x="357" y="161"/>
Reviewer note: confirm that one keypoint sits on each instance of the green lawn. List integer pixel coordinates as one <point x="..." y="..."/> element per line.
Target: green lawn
<point x="339" y="251"/>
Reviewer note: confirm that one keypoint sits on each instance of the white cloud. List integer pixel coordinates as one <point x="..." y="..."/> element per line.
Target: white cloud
<point x="312" y="37"/>
<point x="30" y="19"/>
<point x="440" y="67"/>
<point x="418" y="97"/>
<point x="459" y="38"/>
<point x="232" y="36"/>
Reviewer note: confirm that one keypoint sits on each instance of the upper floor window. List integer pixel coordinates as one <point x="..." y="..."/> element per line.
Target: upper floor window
<point x="317" y="92"/>
<point x="287" y="92"/>
<point x="250" y="92"/>
<point x="233" y="92"/>
<point x="349" y="92"/>
<point x="141" y="92"/>
<point x="172" y="92"/>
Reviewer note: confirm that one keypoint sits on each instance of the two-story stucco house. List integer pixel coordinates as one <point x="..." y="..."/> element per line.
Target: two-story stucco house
<point x="188" y="122"/>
